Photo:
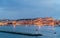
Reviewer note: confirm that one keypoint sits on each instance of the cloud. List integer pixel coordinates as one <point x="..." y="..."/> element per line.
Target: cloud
<point x="30" y="8"/>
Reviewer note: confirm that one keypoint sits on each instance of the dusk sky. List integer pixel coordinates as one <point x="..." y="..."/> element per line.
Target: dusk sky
<point x="15" y="9"/>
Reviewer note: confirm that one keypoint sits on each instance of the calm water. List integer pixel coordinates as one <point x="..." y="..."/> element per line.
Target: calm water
<point x="47" y="31"/>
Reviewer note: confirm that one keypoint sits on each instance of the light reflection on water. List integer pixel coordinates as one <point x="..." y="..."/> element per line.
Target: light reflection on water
<point x="47" y="31"/>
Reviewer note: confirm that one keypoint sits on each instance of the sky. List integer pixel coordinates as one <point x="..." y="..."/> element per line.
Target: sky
<point x="16" y="9"/>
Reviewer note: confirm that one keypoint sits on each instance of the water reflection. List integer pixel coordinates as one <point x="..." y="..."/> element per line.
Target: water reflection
<point x="46" y="31"/>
